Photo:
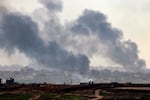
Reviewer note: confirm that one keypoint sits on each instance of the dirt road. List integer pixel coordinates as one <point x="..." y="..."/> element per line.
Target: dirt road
<point x="97" y="95"/>
<point x="35" y="97"/>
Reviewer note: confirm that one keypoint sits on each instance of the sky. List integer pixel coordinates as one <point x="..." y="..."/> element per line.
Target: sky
<point x="129" y="16"/>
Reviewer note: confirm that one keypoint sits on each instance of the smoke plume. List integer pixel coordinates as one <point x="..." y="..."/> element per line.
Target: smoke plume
<point x="124" y="53"/>
<point x="68" y="47"/>
<point x="20" y="32"/>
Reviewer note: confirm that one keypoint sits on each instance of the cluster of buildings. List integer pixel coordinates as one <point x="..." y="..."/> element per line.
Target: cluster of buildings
<point x="90" y="83"/>
<point x="8" y="81"/>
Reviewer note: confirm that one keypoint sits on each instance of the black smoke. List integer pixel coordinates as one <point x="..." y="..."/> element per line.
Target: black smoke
<point x="20" y="32"/>
<point x="124" y="53"/>
<point x="67" y="48"/>
<point x="52" y="5"/>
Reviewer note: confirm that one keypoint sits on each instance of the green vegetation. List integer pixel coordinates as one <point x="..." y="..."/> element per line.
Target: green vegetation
<point x="15" y="96"/>
<point x="47" y="96"/>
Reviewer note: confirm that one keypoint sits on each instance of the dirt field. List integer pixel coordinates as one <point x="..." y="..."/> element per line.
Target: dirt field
<point x="110" y="91"/>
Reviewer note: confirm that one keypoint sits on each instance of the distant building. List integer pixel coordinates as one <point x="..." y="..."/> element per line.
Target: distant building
<point x="90" y="83"/>
<point x="10" y="81"/>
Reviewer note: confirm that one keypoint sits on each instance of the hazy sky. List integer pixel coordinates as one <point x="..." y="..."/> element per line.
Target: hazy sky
<point x="130" y="16"/>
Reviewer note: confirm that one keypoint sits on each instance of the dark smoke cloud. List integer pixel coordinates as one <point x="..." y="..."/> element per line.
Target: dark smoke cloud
<point x="20" y="32"/>
<point x="52" y="5"/>
<point x="92" y="22"/>
<point x="124" y="53"/>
